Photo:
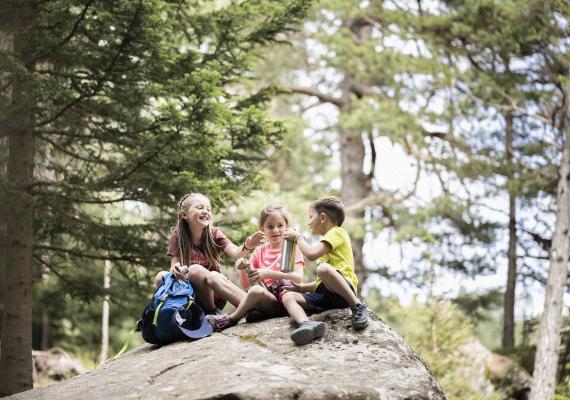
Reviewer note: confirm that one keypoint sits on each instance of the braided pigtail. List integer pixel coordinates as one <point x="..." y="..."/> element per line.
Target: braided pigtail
<point x="184" y="234"/>
<point x="184" y="242"/>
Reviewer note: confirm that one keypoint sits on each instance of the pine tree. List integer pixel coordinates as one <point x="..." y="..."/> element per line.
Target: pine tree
<point x="114" y="101"/>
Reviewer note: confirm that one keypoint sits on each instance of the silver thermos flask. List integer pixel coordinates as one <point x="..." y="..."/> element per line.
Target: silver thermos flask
<point x="288" y="256"/>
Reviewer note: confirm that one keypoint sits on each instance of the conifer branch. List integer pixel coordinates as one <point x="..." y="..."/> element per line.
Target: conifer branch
<point x="323" y="97"/>
<point x="99" y="85"/>
<point x="445" y="136"/>
<point x="84" y="254"/>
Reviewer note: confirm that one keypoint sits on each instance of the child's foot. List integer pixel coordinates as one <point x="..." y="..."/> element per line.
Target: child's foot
<point x="359" y="316"/>
<point x="254" y="315"/>
<point x="307" y="331"/>
<point x="220" y="322"/>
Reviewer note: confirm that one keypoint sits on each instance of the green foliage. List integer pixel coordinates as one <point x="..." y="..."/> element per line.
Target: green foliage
<point x="475" y="304"/>
<point x="135" y="103"/>
<point x="436" y="332"/>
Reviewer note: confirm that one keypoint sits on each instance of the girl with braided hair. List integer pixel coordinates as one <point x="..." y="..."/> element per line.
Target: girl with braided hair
<point x="195" y="247"/>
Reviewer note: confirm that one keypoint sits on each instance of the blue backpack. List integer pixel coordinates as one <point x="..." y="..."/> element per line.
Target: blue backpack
<point x="172" y="314"/>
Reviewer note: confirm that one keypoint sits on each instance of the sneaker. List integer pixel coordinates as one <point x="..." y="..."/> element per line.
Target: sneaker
<point x="307" y="331"/>
<point x="359" y="318"/>
<point x="220" y="322"/>
<point x="255" y="315"/>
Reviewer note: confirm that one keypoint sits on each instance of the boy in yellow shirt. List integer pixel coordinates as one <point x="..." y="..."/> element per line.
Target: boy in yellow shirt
<point x="336" y="283"/>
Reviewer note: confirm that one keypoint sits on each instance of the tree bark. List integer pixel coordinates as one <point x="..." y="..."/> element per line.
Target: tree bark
<point x="510" y="292"/>
<point x="354" y="188"/>
<point x="6" y="43"/>
<point x="355" y="183"/>
<point x="546" y="360"/>
<point x="16" y="347"/>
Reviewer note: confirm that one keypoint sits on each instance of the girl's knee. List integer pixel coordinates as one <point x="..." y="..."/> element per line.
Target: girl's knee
<point x="212" y="277"/>
<point x="256" y="291"/>
<point x="324" y="269"/>
<point x="197" y="273"/>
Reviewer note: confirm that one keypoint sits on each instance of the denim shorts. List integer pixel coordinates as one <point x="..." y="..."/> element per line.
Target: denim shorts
<point x="323" y="299"/>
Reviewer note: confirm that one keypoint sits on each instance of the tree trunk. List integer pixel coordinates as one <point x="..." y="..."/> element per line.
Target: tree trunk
<point x="103" y="356"/>
<point x="355" y="183"/>
<point x="6" y="43"/>
<point x="544" y="377"/>
<point x="509" y="303"/>
<point x="16" y="347"/>
<point x="354" y="188"/>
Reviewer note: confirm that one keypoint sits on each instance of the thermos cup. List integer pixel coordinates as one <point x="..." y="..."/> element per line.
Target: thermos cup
<point x="288" y="256"/>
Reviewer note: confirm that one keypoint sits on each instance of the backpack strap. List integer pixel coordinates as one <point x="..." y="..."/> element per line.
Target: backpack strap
<point x="162" y="300"/>
<point x="125" y="346"/>
<point x="190" y="301"/>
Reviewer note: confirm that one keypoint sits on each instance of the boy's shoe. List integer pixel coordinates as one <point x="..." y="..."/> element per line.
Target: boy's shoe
<point x="255" y="315"/>
<point x="220" y="322"/>
<point x="359" y="318"/>
<point x="307" y="331"/>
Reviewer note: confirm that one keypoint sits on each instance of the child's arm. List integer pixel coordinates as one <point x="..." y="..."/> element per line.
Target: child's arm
<point x="242" y="265"/>
<point x="236" y="252"/>
<point x="301" y="287"/>
<point x="311" y="251"/>
<point x="264" y="273"/>
<point x="177" y="268"/>
<point x="174" y="260"/>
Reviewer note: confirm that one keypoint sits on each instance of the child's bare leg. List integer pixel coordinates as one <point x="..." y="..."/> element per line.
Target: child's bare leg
<point x="224" y="288"/>
<point x="158" y="279"/>
<point x="197" y="274"/>
<point x="256" y="297"/>
<point x="336" y="283"/>
<point x="295" y="305"/>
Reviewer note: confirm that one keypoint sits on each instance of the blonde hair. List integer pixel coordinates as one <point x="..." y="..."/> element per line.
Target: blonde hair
<point x="211" y="249"/>
<point x="272" y="209"/>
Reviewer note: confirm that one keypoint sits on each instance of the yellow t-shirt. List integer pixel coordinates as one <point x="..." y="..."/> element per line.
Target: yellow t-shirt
<point x="340" y="257"/>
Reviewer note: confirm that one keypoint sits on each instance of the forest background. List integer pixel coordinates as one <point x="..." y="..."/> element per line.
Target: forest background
<point x="442" y="125"/>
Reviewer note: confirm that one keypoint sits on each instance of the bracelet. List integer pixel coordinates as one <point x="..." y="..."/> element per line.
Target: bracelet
<point x="245" y="248"/>
<point x="299" y="237"/>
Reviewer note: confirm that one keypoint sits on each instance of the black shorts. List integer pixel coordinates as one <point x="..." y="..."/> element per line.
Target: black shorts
<point x="323" y="299"/>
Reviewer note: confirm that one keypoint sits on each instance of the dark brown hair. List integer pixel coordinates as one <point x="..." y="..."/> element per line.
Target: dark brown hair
<point x="211" y="249"/>
<point x="332" y="207"/>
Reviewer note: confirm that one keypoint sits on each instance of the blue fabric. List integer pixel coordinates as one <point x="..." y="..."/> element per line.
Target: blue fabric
<point x="323" y="299"/>
<point x="178" y="316"/>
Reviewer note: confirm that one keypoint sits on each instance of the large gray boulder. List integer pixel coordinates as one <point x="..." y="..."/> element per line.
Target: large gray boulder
<point x="259" y="361"/>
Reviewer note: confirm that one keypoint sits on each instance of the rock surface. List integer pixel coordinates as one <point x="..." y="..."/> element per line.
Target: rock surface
<point x="54" y="365"/>
<point x="491" y="373"/>
<point x="259" y="361"/>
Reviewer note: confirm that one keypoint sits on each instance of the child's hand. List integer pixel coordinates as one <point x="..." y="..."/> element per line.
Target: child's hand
<point x="256" y="275"/>
<point x="253" y="275"/>
<point x="179" y="271"/>
<point x="291" y="234"/>
<point x="294" y="287"/>
<point x="241" y="263"/>
<point x="254" y="239"/>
